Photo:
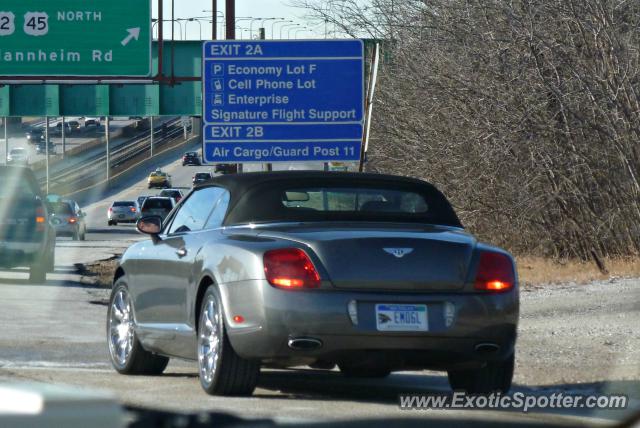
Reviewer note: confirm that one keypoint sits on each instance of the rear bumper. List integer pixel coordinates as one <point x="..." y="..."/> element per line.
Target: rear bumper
<point x="66" y="229"/>
<point x="273" y="317"/>
<point x="127" y="218"/>
<point x="14" y="254"/>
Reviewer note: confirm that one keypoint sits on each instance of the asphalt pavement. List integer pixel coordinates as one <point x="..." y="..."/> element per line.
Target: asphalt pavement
<point x="55" y="332"/>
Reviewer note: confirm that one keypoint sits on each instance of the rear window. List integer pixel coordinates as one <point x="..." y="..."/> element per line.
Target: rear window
<point x="124" y="204"/>
<point x="153" y="204"/>
<point x="170" y="193"/>
<point x="355" y="199"/>
<point x="341" y="200"/>
<point x="61" y="208"/>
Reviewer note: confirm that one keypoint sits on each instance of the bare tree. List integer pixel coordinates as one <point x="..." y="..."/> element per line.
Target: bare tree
<point x="525" y="113"/>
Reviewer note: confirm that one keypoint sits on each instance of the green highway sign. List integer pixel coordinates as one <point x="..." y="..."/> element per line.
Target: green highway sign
<point x="75" y="38"/>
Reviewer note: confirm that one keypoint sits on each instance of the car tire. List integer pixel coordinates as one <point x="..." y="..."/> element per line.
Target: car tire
<point x="115" y="223"/>
<point x="362" y="371"/>
<point x="494" y="377"/>
<point x="221" y="370"/>
<point x="126" y="354"/>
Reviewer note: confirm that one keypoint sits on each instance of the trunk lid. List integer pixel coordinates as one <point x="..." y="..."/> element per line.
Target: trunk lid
<point x="385" y="256"/>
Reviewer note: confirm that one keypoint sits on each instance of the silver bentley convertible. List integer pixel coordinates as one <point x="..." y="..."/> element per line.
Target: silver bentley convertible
<point x="369" y="273"/>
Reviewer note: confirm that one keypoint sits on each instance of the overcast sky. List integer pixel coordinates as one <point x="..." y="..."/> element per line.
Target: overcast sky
<point x="244" y="8"/>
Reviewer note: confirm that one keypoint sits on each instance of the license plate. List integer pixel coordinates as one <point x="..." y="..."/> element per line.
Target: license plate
<point x="394" y="317"/>
<point x="121" y="216"/>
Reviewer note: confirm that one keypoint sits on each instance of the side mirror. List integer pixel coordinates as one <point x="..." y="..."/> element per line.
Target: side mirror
<point x="151" y="225"/>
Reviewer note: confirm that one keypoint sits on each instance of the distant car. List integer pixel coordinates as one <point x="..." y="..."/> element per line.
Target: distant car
<point x="41" y="148"/>
<point x="201" y="177"/>
<point x="27" y="239"/>
<point x="18" y="156"/>
<point x="157" y="206"/>
<point x="141" y="199"/>
<point x="172" y="193"/>
<point x="159" y="179"/>
<point x="67" y="128"/>
<point x="191" y="158"/>
<point x="226" y="168"/>
<point x="34" y="135"/>
<point x="123" y="212"/>
<point x="74" y="125"/>
<point x="68" y="219"/>
<point x="91" y="121"/>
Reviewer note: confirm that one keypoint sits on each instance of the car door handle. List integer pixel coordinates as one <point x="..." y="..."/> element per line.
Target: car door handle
<point x="181" y="252"/>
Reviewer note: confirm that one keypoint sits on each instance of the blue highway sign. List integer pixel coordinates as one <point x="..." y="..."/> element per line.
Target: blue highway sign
<point x="282" y="101"/>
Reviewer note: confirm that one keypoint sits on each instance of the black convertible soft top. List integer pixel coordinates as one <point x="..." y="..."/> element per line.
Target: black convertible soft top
<point x="256" y="197"/>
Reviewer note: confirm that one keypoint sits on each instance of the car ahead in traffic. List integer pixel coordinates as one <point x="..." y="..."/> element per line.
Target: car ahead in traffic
<point x="371" y="273"/>
<point x="34" y="135"/>
<point x="159" y="179"/>
<point x="141" y="199"/>
<point x="123" y="212"/>
<point x="18" y="156"/>
<point x="157" y="206"/>
<point x="68" y="219"/>
<point x="226" y="168"/>
<point x="41" y="148"/>
<point x="191" y="158"/>
<point x="201" y="177"/>
<point x="27" y="239"/>
<point x="91" y="121"/>
<point x="176" y="194"/>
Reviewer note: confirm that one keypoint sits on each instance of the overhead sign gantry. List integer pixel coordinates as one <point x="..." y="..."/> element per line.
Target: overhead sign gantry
<point x="75" y="38"/>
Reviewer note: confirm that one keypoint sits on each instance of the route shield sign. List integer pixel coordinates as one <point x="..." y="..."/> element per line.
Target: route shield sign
<point x="282" y="101"/>
<point x="75" y="38"/>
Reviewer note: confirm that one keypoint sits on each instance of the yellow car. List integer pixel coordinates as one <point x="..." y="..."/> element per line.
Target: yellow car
<point x="159" y="179"/>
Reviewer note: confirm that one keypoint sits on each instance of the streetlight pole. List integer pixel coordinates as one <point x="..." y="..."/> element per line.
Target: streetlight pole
<point x="295" y="33"/>
<point x="279" y="21"/>
<point x="285" y="26"/>
<point x="292" y="28"/>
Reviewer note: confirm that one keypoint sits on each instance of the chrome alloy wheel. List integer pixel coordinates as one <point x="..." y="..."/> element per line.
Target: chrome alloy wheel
<point x="121" y="333"/>
<point x="209" y="340"/>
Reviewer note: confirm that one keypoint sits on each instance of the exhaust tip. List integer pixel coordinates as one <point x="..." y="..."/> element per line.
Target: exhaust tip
<point x="487" y="348"/>
<point x="304" y="343"/>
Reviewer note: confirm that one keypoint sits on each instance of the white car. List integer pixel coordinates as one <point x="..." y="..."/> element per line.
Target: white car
<point x="18" y="156"/>
<point x="88" y="121"/>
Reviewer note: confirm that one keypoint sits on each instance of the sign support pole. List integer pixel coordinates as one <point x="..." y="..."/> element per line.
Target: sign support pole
<point x="152" y="130"/>
<point x="46" y="148"/>
<point x="6" y="140"/>
<point x="64" y="139"/>
<point x="108" y="137"/>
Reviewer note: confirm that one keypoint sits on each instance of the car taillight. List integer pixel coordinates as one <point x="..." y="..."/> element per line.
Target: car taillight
<point x="73" y="220"/>
<point x="290" y="268"/>
<point x="41" y="219"/>
<point x="110" y="210"/>
<point x="495" y="273"/>
<point x="133" y="209"/>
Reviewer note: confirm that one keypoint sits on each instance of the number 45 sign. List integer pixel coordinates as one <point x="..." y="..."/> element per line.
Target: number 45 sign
<point x="35" y="23"/>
